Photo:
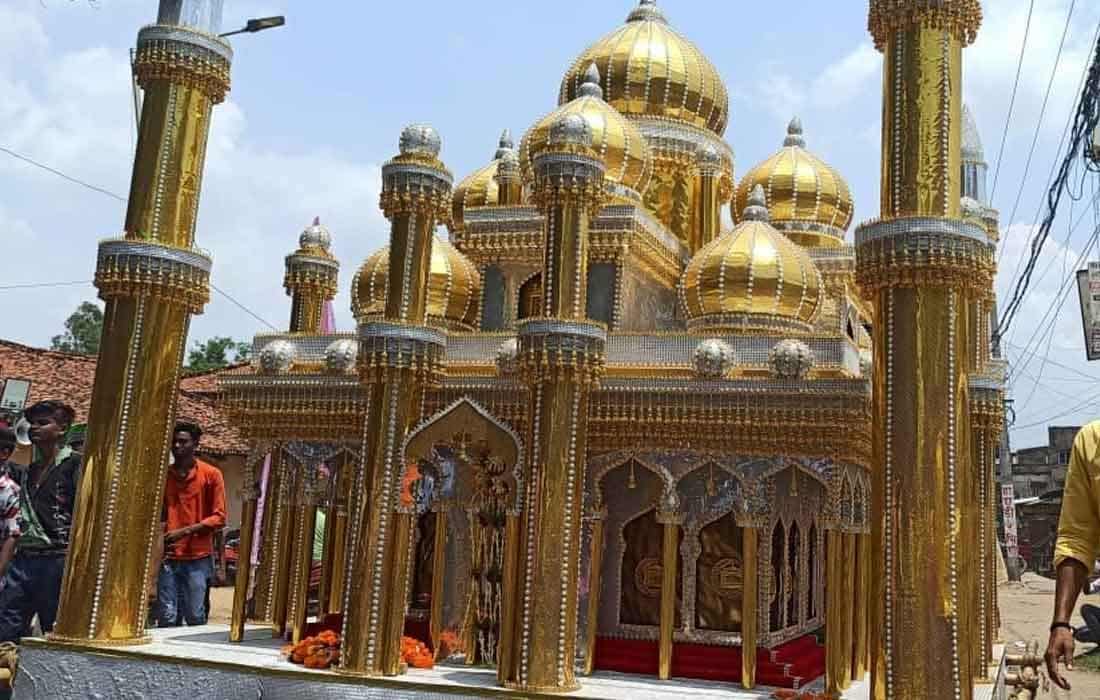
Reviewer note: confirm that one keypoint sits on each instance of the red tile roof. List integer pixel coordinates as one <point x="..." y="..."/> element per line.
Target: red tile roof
<point x="69" y="378"/>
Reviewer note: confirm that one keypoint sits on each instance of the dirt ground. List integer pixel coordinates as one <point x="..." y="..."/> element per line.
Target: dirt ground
<point x="221" y="604"/>
<point x="1025" y="615"/>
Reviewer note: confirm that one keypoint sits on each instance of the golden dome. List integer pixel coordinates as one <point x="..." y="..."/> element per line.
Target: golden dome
<point x="480" y="188"/>
<point x="809" y="201"/>
<point x="650" y="70"/>
<point x="752" y="278"/>
<point x="619" y="144"/>
<point x="454" y="287"/>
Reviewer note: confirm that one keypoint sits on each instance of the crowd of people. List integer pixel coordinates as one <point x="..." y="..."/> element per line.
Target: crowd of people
<point x="37" y="503"/>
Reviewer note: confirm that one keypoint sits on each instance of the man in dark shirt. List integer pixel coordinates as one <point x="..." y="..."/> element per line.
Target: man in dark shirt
<point x="32" y="584"/>
<point x="7" y="447"/>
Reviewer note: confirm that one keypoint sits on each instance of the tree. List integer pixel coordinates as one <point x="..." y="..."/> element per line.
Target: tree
<point x="82" y="331"/>
<point x="216" y="353"/>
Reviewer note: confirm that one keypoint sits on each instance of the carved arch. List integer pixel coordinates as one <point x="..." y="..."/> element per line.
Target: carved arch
<point x="466" y="414"/>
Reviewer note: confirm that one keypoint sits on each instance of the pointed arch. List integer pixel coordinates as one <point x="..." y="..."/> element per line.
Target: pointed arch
<point x="466" y="416"/>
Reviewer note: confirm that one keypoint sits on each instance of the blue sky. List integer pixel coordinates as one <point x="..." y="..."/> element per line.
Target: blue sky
<point x="317" y="105"/>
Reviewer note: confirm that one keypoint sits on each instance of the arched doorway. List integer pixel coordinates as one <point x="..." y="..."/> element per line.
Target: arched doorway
<point x="463" y="482"/>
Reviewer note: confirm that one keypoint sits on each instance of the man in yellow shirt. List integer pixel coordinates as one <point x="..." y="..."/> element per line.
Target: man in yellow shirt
<point x="1078" y="544"/>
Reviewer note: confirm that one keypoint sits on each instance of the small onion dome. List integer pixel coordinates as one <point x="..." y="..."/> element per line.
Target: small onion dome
<point x="315" y="239"/>
<point x="618" y="143"/>
<point x="650" y="70"/>
<point x="481" y="188"/>
<point x="454" y="288"/>
<point x="340" y="356"/>
<point x="752" y="278"/>
<point x="791" y="359"/>
<point x="809" y="201"/>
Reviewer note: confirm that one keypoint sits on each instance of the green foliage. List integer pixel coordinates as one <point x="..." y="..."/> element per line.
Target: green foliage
<point x="82" y="331"/>
<point x="216" y="353"/>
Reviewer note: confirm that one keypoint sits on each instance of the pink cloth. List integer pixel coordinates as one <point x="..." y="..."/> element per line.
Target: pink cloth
<point x="257" y="530"/>
<point x="328" y="319"/>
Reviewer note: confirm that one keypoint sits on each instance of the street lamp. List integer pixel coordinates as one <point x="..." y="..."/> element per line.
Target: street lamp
<point x="258" y="25"/>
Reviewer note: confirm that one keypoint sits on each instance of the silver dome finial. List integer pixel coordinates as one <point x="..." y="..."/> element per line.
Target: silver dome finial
<point x="757" y="209"/>
<point x="315" y="236"/>
<point x="420" y="139"/>
<point x="590" y="83"/>
<point x="646" y="10"/>
<point x="794" y="134"/>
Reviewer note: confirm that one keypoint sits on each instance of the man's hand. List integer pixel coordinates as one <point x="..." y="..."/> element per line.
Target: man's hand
<point x="1059" y="648"/>
<point x="175" y="535"/>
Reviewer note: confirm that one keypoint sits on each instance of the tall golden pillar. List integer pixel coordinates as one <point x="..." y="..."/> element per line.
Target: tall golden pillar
<point x="250" y="494"/>
<point x="152" y="280"/>
<point x="595" y="582"/>
<point x="708" y="198"/>
<point x="670" y="557"/>
<point x="338" y="513"/>
<point x="398" y="356"/>
<point x="283" y="547"/>
<point x="509" y="180"/>
<point x="839" y="599"/>
<point x="561" y="357"/>
<point x="860" y="628"/>
<point x="922" y="265"/>
<point x="750" y="599"/>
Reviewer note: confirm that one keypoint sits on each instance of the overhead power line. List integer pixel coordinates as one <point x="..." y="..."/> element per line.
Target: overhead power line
<point x="57" y="172"/>
<point x="1085" y="123"/>
<point x="1012" y="101"/>
<point x="108" y="193"/>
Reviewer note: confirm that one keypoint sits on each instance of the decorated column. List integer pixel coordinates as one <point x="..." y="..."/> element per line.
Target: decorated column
<point x="750" y="597"/>
<point x="708" y="198"/>
<point x="250" y="494"/>
<point x="921" y="264"/>
<point x="398" y="356"/>
<point x="561" y="357"/>
<point x="670" y="557"/>
<point x="311" y="278"/>
<point x="595" y="583"/>
<point x="152" y="280"/>
<point x="839" y="602"/>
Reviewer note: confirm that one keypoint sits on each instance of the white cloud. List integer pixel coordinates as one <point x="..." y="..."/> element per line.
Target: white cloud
<point x="855" y="74"/>
<point x="73" y="110"/>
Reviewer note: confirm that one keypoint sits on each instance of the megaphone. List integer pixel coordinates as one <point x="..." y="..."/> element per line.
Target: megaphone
<point x="23" y="432"/>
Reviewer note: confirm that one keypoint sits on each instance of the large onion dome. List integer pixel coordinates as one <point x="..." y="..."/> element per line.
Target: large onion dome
<point x="809" y="201"/>
<point x="480" y="188"/>
<point x="752" y="278"/>
<point x="650" y="70"/>
<point x="619" y="144"/>
<point x="454" y="287"/>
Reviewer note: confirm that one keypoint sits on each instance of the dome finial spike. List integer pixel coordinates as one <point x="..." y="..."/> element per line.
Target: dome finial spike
<point x="506" y="146"/>
<point x="646" y="10"/>
<point x="590" y="83"/>
<point x="316" y="221"/>
<point x="506" y="139"/>
<point x="794" y="134"/>
<point x="757" y="209"/>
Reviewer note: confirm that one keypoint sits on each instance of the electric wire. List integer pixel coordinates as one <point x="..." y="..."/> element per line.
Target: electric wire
<point x="1012" y="100"/>
<point x="1085" y="123"/>
<point x="1042" y="115"/>
<point x="108" y="193"/>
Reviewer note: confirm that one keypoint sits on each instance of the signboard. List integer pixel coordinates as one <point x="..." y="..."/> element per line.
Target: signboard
<point x="1008" y="511"/>
<point x="14" y="396"/>
<point x="1088" y="289"/>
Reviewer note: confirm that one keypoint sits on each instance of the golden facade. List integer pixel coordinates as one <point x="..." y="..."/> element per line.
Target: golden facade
<point x="591" y="429"/>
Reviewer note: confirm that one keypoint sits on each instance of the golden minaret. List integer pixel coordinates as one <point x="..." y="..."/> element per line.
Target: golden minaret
<point x="399" y="356"/>
<point x="152" y="280"/>
<point x="923" y="266"/>
<point x="561" y="357"/>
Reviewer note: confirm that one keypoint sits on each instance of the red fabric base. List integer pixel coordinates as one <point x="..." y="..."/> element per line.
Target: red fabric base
<point x="789" y="665"/>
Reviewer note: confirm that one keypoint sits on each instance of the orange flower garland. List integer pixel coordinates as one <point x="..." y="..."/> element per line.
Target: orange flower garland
<point x="416" y="654"/>
<point x="318" y="652"/>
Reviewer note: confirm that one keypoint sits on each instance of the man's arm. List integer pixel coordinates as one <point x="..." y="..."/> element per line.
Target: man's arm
<point x="216" y="520"/>
<point x="1078" y="540"/>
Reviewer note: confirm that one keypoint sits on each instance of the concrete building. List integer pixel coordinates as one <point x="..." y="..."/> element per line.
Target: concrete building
<point x="1040" y="470"/>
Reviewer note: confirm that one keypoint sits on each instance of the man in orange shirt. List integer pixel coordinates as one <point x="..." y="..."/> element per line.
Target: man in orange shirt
<point x="194" y="509"/>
